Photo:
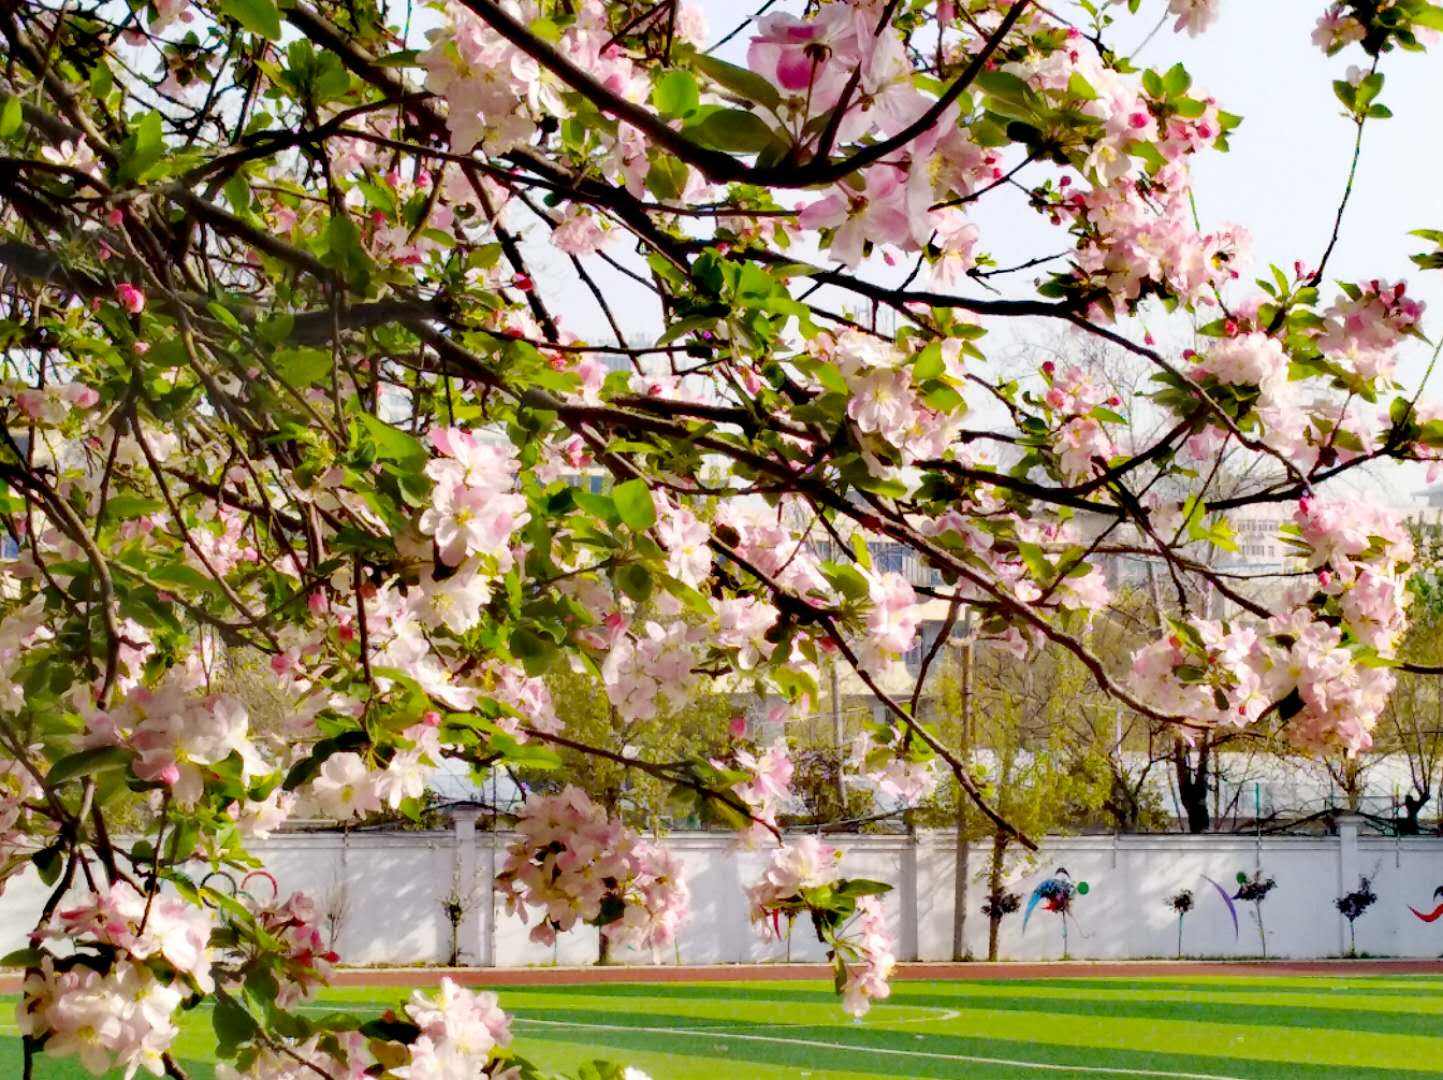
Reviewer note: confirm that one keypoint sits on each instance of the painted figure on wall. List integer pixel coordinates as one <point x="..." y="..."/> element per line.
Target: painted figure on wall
<point x="1436" y="913"/>
<point x="1056" y="893"/>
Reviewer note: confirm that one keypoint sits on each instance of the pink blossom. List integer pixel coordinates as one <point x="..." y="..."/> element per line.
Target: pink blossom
<point x="571" y="862"/>
<point x="1336" y="29"/>
<point x="1194" y="16"/>
<point x="130" y="298"/>
<point x="345" y="788"/>
<point x="800" y="55"/>
<point x="891" y="210"/>
<point x="868" y="958"/>
<point x="123" y="1019"/>
<point x="580" y="232"/>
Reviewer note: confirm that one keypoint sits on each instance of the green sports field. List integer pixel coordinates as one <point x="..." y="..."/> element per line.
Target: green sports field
<point x="1198" y="1027"/>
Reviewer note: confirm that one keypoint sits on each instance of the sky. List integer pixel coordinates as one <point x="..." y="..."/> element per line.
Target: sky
<point x="1282" y="179"/>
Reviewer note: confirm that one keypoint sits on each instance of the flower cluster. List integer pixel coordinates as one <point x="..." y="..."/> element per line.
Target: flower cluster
<point x="653" y="667"/>
<point x="886" y="401"/>
<point x="577" y="866"/>
<point x="803" y="877"/>
<point x="1081" y="409"/>
<point x="1364" y="327"/>
<point x="47" y="406"/>
<point x="795" y="867"/>
<point x="178" y="733"/>
<point x="473" y="511"/>
<point x="869" y="960"/>
<point x="1137" y="237"/>
<point x="768" y="785"/>
<point x="305" y="960"/>
<point x="339" y="1054"/>
<point x="122" y="1018"/>
<point x="1311" y="661"/>
<point x="20" y="828"/>
<point x="899" y="769"/>
<point x="1194" y="16"/>
<point x="1337" y="29"/>
<point x="460" y="1033"/>
<point x="143" y="926"/>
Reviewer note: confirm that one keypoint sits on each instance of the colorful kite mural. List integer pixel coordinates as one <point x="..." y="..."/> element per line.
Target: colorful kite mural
<point x="1055" y="894"/>
<point x="1227" y="900"/>
<point x="1436" y="913"/>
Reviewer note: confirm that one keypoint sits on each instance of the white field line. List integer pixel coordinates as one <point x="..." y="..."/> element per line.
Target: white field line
<point x="726" y="1035"/>
<point x="1042" y="1066"/>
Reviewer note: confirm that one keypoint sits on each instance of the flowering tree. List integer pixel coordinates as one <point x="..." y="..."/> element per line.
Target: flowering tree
<point x="281" y="382"/>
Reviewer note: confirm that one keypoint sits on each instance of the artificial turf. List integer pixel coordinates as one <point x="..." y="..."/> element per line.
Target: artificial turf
<point x="1202" y="1027"/>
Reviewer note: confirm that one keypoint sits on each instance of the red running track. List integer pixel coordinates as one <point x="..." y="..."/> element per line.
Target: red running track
<point x="559" y="976"/>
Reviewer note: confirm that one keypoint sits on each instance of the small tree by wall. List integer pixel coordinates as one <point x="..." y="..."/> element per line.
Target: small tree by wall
<point x="1181" y="903"/>
<point x="1352" y="906"/>
<point x="458" y="902"/>
<point x="1026" y="762"/>
<point x="1254" y="890"/>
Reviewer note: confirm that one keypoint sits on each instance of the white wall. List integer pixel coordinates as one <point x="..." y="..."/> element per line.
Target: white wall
<point x="393" y="885"/>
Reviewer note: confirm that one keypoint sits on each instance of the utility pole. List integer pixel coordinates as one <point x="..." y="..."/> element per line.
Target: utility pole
<point x="962" y="869"/>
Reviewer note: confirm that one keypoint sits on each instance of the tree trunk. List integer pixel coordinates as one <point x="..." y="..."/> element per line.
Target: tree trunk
<point x="962" y="868"/>
<point x="603" y="950"/>
<point x="839" y="737"/>
<point x="1123" y="804"/>
<point x="995" y="889"/>
<point x="1193" y="782"/>
<point x="1412" y="810"/>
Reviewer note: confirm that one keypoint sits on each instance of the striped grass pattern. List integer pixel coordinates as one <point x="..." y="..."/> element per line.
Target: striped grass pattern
<point x="1243" y="1027"/>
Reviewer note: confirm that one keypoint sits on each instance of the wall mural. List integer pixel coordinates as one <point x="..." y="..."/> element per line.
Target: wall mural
<point x="1057" y="894"/>
<point x="1352" y="905"/>
<point x="1181" y="902"/>
<point x="1254" y="890"/>
<point x="1436" y="913"/>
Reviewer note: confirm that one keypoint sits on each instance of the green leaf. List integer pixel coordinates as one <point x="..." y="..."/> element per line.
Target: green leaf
<point x="635" y="580"/>
<point x="102" y="82"/>
<point x="87" y="763"/>
<point x="346" y="253"/>
<point x="635" y="505"/>
<point x="393" y="444"/>
<point x="233" y="1026"/>
<point x="182" y="576"/>
<point x="1431" y="17"/>
<point x="854" y="887"/>
<point x="666" y="179"/>
<point x="533" y="650"/>
<point x="48" y="863"/>
<point x="735" y="131"/>
<point x="691" y="598"/>
<point x="11" y="116"/>
<point x="1177" y="81"/>
<point x="303" y="367"/>
<point x="1079" y="87"/>
<point x="277" y="328"/>
<point x="258" y="16"/>
<point x="739" y="80"/>
<point x="1004" y="86"/>
<point x="675" y="94"/>
<point x="403" y="58"/>
<point x="126" y="507"/>
<point x="143" y="148"/>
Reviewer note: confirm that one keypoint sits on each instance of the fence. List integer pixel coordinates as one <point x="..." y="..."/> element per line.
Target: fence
<point x="384" y="893"/>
